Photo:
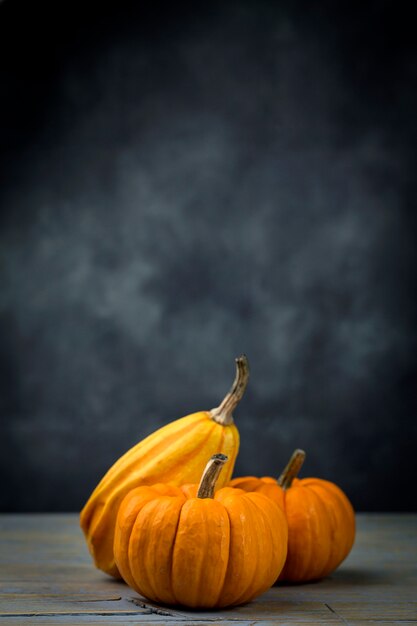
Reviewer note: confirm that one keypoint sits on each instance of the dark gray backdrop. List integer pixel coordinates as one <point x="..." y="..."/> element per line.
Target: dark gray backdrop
<point x="181" y="184"/>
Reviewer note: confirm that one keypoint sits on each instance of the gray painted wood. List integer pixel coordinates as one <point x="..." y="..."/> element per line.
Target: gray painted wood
<point x="46" y="577"/>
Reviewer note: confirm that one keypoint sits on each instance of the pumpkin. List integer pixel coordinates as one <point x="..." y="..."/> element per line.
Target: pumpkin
<point x="192" y="547"/>
<point x="176" y="453"/>
<point x="321" y="520"/>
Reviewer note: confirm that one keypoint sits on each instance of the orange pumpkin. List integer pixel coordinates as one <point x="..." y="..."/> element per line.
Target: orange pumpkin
<point x="191" y="547"/>
<point x="321" y="520"/>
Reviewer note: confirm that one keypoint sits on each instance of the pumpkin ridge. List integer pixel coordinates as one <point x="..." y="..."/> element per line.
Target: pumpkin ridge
<point x="171" y="556"/>
<point x="312" y="560"/>
<point x="246" y="594"/>
<point x="307" y="543"/>
<point x="302" y="533"/>
<point x="332" y="527"/>
<point x="145" y="554"/>
<point x="220" y="588"/>
<point x="228" y="559"/>
<point x="273" y="539"/>
<point x="236" y="530"/>
<point x="131" y="548"/>
<point x="338" y="555"/>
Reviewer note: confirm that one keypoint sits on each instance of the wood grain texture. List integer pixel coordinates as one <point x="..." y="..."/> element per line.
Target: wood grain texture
<point x="46" y="577"/>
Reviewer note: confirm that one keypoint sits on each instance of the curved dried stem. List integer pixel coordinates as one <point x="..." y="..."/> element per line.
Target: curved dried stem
<point x="210" y="476"/>
<point x="292" y="468"/>
<point x="223" y="414"/>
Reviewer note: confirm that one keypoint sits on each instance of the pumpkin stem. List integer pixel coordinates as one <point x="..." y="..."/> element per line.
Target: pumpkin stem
<point x="292" y="468"/>
<point x="210" y="476"/>
<point x="223" y="413"/>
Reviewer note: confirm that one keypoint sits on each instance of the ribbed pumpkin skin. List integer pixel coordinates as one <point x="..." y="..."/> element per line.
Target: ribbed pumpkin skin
<point x="321" y="524"/>
<point x="176" y="453"/>
<point x="177" y="549"/>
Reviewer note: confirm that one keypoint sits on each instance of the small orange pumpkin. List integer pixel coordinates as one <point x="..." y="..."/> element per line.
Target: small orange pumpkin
<point x="191" y="547"/>
<point x="321" y="520"/>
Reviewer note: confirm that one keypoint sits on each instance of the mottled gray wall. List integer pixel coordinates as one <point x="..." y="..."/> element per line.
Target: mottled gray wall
<point x="182" y="185"/>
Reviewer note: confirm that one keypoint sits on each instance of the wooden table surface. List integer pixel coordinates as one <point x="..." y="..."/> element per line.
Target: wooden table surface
<point x="46" y="577"/>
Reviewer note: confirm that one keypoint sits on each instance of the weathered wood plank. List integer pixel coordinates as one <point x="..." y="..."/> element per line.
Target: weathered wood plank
<point x="305" y="612"/>
<point x="382" y="610"/>
<point x="266" y="608"/>
<point x="377" y="622"/>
